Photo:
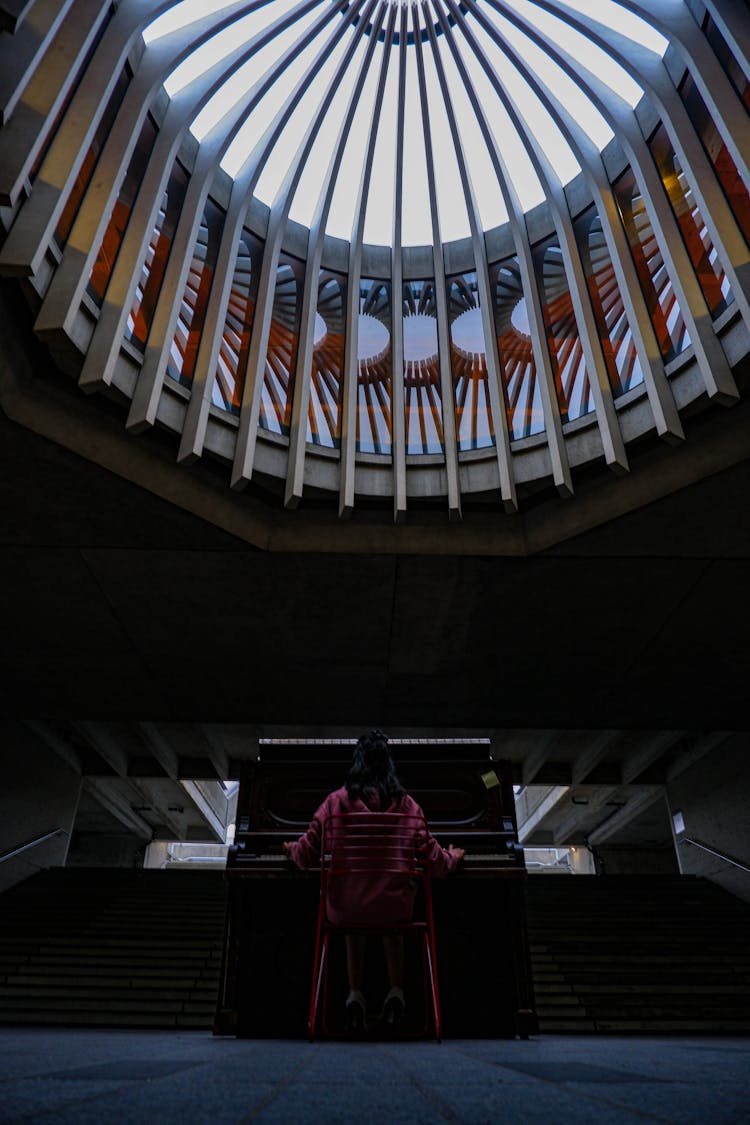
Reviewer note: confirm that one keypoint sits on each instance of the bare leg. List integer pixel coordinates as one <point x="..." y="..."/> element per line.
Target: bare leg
<point x="355" y="961"/>
<point x="393" y="946"/>
<point x="393" y="1008"/>
<point x="356" y="1020"/>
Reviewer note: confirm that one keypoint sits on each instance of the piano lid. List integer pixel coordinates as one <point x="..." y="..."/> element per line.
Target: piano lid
<point x="454" y="780"/>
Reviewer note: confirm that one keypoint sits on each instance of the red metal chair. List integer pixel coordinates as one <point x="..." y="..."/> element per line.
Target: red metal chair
<point x="364" y="856"/>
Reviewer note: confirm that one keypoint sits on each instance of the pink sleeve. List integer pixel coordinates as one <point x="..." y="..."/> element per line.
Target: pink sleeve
<point x="306" y="851"/>
<point x="441" y="860"/>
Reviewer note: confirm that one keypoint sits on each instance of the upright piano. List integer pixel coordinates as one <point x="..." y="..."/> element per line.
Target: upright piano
<point x="482" y="948"/>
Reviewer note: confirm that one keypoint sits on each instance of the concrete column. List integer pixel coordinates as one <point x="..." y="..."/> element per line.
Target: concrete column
<point x="39" y="794"/>
<point x="713" y="796"/>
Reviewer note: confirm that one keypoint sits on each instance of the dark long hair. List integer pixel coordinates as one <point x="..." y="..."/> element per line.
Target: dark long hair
<point x="372" y="771"/>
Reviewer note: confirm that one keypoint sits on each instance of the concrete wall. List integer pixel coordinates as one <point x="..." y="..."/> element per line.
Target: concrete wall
<point x="106" y="849"/>
<point x="714" y="799"/>
<point x="630" y="859"/>
<point x="39" y="793"/>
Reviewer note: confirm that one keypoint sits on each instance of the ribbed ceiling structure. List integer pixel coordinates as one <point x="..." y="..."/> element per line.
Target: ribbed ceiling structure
<point x="365" y="250"/>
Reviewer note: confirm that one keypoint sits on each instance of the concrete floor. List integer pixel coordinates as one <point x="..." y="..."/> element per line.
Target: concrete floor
<point x="82" y="1076"/>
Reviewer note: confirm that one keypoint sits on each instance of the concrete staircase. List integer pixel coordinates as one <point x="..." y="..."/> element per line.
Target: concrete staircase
<point x="639" y="954"/>
<point x="112" y="948"/>
<point x="118" y="948"/>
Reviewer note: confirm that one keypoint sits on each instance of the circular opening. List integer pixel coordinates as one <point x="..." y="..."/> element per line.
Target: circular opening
<point x="320" y="331"/>
<point x="467" y="332"/>
<point x="519" y="318"/>
<point x="373" y="337"/>
<point x="420" y="337"/>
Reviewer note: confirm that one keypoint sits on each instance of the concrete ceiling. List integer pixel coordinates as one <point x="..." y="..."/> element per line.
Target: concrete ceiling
<point x="119" y="606"/>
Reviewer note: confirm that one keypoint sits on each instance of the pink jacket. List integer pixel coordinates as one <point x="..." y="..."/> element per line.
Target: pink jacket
<point x="367" y="899"/>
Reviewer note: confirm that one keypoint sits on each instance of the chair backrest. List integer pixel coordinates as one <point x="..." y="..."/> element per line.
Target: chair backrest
<point x="375" y="843"/>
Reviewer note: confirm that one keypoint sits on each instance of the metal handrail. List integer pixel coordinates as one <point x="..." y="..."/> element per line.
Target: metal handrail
<point x="32" y="844"/>
<point x="714" y="851"/>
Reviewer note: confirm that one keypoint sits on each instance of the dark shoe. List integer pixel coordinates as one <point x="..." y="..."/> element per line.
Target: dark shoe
<point x="354" y="1017"/>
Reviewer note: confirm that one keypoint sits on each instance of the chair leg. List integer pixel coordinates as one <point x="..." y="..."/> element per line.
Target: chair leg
<point x="432" y="963"/>
<point x="426" y="984"/>
<point x="326" y="1030"/>
<point x="319" y="969"/>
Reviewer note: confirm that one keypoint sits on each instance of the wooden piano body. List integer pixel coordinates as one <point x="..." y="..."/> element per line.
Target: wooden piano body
<point x="483" y="957"/>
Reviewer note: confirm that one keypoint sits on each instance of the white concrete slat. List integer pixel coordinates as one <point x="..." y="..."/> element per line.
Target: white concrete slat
<point x="347" y="473"/>
<point x="214" y="145"/>
<point x="660" y="395"/>
<point x="708" y="351"/>
<point x="676" y="22"/>
<point x="101" y="357"/>
<point x="508" y="493"/>
<point x="730" y="16"/>
<point x="198" y="407"/>
<point x="63" y="297"/>
<point x="659" y="391"/>
<point x="45" y="94"/>
<point x="398" y="397"/>
<point x="27" y="241"/>
<point x="725" y="233"/>
<point x="30" y="42"/>
<point x="609" y="426"/>
<point x="441" y="298"/>
<point x="244" y="457"/>
<point x="559" y="464"/>
<point x="303" y="367"/>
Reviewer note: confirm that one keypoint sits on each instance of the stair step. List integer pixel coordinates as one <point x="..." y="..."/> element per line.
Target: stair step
<point x="112" y="948"/>
<point x="635" y="955"/>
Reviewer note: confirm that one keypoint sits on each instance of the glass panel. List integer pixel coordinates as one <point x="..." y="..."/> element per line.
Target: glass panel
<point x="86" y="170"/>
<point x="724" y="166"/>
<point x="655" y="281"/>
<point x="424" y="419"/>
<point x="326" y="377"/>
<point x="620" y="356"/>
<point x="474" y="427"/>
<point x="374" y="378"/>
<point x="523" y="399"/>
<point x="283" y="339"/>
<point x="728" y="61"/>
<point x="105" y="259"/>
<point x="711" y="276"/>
<point x="152" y="271"/>
<point x="566" y="352"/>
<point x="184" y="350"/>
<point x="238" y="323"/>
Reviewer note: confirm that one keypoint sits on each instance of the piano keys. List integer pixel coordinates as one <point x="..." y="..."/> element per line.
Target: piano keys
<point x="483" y="957"/>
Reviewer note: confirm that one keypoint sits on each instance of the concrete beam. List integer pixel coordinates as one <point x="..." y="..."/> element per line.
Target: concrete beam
<point x="217" y="755"/>
<point x="161" y="749"/>
<point x="105" y="744"/>
<point x="533" y="762"/>
<point x="647" y="754"/>
<point x="160" y="809"/>
<point x="207" y="812"/>
<point x="574" y="823"/>
<point x="696" y="749"/>
<point x="596" y="750"/>
<point x="53" y="740"/>
<point x="542" y="810"/>
<point x="632" y="808"/>
<point x="115" y="804"/>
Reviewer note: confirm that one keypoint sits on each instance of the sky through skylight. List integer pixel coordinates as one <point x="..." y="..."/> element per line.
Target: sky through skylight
<point x="328" y="51"/>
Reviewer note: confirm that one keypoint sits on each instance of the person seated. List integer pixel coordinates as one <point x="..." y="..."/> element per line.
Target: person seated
<point x="371" y="786"/>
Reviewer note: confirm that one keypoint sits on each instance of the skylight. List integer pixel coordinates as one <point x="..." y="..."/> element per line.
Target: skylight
<point x="306" y="64"/>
